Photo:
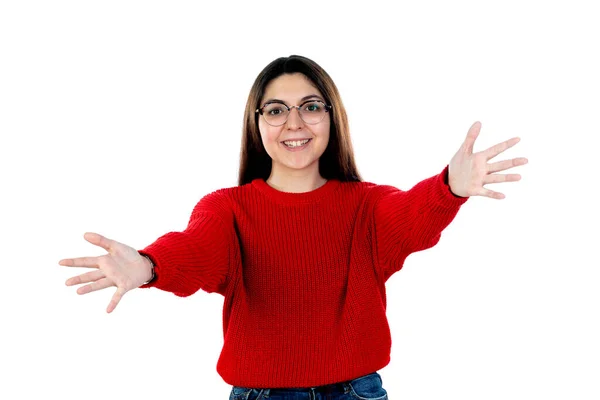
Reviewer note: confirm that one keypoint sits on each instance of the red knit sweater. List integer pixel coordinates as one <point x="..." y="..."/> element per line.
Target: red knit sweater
<point x="302" y="274"/>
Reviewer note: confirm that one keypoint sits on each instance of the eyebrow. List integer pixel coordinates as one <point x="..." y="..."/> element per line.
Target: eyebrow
<point x="310" y="96"/>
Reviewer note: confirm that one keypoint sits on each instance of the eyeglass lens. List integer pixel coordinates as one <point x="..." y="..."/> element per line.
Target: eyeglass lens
<point x="311" y="112"/>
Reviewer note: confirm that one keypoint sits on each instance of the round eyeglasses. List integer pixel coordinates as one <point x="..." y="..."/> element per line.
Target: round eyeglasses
<point x="311" y="112"/>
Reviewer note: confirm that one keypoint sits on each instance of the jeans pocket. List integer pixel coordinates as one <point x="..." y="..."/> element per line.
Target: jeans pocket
<point x="368" y="387"/>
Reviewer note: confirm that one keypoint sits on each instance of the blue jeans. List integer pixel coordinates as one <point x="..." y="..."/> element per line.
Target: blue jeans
<point x="366" y="387"/>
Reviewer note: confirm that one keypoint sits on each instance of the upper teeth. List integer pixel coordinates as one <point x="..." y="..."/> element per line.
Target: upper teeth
<point x="296" y="143"/>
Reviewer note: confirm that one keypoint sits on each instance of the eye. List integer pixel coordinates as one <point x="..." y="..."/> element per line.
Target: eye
<point x="313" y="106"/>
<point x="274" y="109"/>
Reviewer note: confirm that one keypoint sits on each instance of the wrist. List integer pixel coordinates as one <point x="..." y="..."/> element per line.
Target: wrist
<point x="150" y="266"/>
<point x="447" y="183"/>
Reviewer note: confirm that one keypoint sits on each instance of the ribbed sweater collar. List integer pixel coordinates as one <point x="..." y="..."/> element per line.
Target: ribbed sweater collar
<point x="288" y="198"/>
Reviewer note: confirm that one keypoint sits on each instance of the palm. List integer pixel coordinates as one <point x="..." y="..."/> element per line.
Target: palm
<point x="122" y="267"/>
<point x="468" y="172"/>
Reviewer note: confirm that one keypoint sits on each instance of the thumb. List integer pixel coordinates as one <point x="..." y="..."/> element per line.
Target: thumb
<point x="98" y="240"/>
<point x="472" y="134"/>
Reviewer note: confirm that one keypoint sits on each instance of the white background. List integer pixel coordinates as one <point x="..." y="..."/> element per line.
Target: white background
<point x="116" y="117"/>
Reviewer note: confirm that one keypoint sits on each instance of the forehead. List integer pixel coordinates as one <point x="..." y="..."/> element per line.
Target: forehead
<point x="290" y="87"/>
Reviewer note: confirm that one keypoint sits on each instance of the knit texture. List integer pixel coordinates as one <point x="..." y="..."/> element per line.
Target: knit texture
<point x="302" y="274"/>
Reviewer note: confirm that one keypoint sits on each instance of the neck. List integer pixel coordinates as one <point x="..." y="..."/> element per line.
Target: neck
<point x="296" y="183"/>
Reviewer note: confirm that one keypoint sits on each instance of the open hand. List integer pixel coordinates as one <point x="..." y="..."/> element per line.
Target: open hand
<point x="468" y="172"/>
<point x="122" y="267"/>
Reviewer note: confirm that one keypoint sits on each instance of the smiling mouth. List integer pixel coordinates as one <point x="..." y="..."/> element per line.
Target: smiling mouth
<point x="296" y="143"/>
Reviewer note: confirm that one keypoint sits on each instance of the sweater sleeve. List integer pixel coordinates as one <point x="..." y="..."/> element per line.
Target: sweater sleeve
<point x="198" y="257"/>
<point x="413" y="220"/>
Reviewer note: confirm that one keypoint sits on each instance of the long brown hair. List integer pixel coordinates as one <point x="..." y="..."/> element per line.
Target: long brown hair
<point x="337" y="162"/>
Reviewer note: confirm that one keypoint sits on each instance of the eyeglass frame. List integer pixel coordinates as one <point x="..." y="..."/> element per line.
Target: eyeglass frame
<point x="289" y="109"/>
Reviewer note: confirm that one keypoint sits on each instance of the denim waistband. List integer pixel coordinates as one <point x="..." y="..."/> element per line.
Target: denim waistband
<point x="338" y="387"/>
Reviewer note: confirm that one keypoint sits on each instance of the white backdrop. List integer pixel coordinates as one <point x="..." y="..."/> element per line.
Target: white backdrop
<point x="116" y="117"/>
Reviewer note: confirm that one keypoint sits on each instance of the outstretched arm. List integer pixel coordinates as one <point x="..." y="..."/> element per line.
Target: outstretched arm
<point x="198" y="257"/>
<point x="406" y="222"/>
<point x="413" y="220"/>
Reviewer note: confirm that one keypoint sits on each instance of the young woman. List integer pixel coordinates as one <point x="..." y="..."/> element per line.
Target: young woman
<point x="302" y="247"/>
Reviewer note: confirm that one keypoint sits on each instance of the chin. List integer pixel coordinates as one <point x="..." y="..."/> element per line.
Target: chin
<point x="298" y="166"/>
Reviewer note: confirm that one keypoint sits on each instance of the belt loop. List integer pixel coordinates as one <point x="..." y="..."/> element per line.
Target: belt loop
<point x="266" y="393"/>
<point x="346" y="387"/>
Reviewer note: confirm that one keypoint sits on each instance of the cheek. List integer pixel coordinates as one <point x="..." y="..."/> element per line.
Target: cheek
<point x="325" y="125"/>
<point x="324" y="130"/>
<point x="268" y="133"/>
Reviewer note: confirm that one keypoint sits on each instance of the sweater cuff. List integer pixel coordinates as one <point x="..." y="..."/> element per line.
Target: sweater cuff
<point x="153" y="259"/>
<point x="443" y="193"/>
<point x="159" y="256"/>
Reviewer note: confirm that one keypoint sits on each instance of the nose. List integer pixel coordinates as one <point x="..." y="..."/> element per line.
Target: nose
<point x="294" y="121"/>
